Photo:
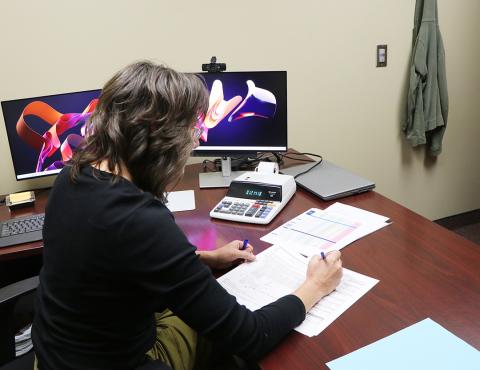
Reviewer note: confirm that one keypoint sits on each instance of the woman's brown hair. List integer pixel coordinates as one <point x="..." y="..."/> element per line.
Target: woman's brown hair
<point x="144" y="120"/>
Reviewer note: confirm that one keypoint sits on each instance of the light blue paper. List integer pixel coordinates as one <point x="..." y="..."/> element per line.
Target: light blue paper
<point x="424" y="345"/>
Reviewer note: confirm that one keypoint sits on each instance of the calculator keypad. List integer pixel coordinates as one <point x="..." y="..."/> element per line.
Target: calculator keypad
<point x="259" y="208"/>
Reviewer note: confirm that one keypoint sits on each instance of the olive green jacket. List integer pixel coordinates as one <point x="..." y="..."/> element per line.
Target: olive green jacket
<point x="427" y="100"/>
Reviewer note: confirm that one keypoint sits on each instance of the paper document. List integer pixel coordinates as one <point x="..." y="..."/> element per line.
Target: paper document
<point x="319" y="230"/>
<point x="180" y="200"/>
<point x="279" y="271"/>
<point x="424" y="345"/>
<point x="23" y="341"/>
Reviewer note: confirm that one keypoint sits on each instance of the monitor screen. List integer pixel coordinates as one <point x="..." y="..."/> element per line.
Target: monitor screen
<point x="247" y="113"/>
<point x="43" y="131"/>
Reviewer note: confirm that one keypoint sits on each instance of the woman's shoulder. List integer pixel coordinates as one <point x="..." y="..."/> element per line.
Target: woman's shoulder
<point x="110" y="203"/>
<point x="151" y="211"/>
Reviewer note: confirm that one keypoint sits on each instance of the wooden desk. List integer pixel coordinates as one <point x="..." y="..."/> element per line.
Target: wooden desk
<point x="424" y="271"/>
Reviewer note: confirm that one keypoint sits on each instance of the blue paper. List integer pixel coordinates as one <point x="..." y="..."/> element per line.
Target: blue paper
<point x="424" y="345"/>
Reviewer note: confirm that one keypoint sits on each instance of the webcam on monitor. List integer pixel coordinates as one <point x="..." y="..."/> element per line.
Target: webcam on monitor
<point x="213" y="66"/>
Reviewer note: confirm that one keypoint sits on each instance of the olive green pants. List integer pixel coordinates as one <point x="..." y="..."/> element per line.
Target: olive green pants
<point x="181" y="348"/>
<point x="176" y="342"/>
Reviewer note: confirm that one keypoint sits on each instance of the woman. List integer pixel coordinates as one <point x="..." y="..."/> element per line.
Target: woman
<point x="121" y="285"/>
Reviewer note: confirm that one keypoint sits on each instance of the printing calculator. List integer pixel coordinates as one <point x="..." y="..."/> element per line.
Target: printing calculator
<point x="255" y="197"/>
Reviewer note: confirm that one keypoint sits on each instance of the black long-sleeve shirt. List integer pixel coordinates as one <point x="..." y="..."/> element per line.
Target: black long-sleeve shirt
<point x="113" y="256"/>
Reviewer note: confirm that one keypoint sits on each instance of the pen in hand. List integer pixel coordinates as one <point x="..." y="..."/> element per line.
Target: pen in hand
<point x="323" y="255"/>
<point x="244" y="245"/>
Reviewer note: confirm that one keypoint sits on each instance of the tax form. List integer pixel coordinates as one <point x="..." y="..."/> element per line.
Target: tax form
<point x="333" y="228"/>
<point x="279" y="271"/>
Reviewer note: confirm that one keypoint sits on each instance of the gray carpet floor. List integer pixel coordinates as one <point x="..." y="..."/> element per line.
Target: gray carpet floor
<point x="466" y="224"/>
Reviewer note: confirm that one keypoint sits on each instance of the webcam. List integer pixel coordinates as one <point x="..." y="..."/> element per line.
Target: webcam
<point x="213" y="66"/>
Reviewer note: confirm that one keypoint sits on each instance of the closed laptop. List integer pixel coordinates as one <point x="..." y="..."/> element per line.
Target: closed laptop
<point x="329" y="181"/>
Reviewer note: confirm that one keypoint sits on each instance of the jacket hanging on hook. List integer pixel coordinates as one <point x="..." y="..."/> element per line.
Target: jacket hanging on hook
<point x="427" y="100"/>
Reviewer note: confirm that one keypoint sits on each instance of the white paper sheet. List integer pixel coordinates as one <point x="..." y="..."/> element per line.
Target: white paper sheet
<point x="279" y="271"/>
<point x="180" y="200"/>
<point x="319" y="230"/>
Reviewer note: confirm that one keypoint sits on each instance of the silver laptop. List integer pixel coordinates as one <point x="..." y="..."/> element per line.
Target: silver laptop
<point x="329" y="181"/>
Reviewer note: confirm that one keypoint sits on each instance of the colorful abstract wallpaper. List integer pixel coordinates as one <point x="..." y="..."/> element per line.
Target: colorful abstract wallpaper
<point x="246" y="109"/>
<point x="44" y="131"/>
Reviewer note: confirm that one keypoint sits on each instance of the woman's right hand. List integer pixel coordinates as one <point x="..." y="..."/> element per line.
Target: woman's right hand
<point x="323" y="276"/>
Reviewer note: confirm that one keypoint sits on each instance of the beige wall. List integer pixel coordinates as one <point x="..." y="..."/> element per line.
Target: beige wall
<point x="340" y="105"/>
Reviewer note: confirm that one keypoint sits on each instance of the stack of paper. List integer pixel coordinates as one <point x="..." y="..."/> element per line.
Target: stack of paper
<point x="319" y="230"/>
<point x="279" y="271"/>
<point x="23" y="341"/>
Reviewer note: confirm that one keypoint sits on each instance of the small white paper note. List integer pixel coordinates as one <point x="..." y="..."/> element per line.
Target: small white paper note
<point x="181" y="200"/>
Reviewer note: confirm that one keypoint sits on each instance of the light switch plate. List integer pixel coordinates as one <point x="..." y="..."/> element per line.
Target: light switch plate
<point x="381" y="55"/>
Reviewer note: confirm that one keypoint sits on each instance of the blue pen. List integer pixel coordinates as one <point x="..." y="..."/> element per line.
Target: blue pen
<point x="244" y="245"/>
<point x="323" y="255"/>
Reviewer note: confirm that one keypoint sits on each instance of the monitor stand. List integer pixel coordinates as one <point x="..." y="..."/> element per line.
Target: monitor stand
<point x="219" y="179"/>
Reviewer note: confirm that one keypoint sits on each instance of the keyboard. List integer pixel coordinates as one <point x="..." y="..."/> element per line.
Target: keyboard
<point x="19" y="230"/>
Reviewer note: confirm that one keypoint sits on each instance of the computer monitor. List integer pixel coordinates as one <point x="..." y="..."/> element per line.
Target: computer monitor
<point x="247" y="114"/>
<point x="43" y="131"/>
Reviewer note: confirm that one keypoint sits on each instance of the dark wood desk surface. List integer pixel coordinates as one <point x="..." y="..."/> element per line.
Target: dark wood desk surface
<point x="424" y="271"/>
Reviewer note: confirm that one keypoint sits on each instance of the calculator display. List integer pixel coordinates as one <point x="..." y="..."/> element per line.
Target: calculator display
<point x="254" y="190"/>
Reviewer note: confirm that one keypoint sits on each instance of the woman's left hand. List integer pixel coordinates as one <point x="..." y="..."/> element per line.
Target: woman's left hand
<point x="228" y="255"/>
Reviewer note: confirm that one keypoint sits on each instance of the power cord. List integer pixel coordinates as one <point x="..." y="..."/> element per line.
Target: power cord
<point x="238" y="163"/>
<point x="208" y="162"/>
<point x="242" y="163"/>
<point x="287" y="155"/>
